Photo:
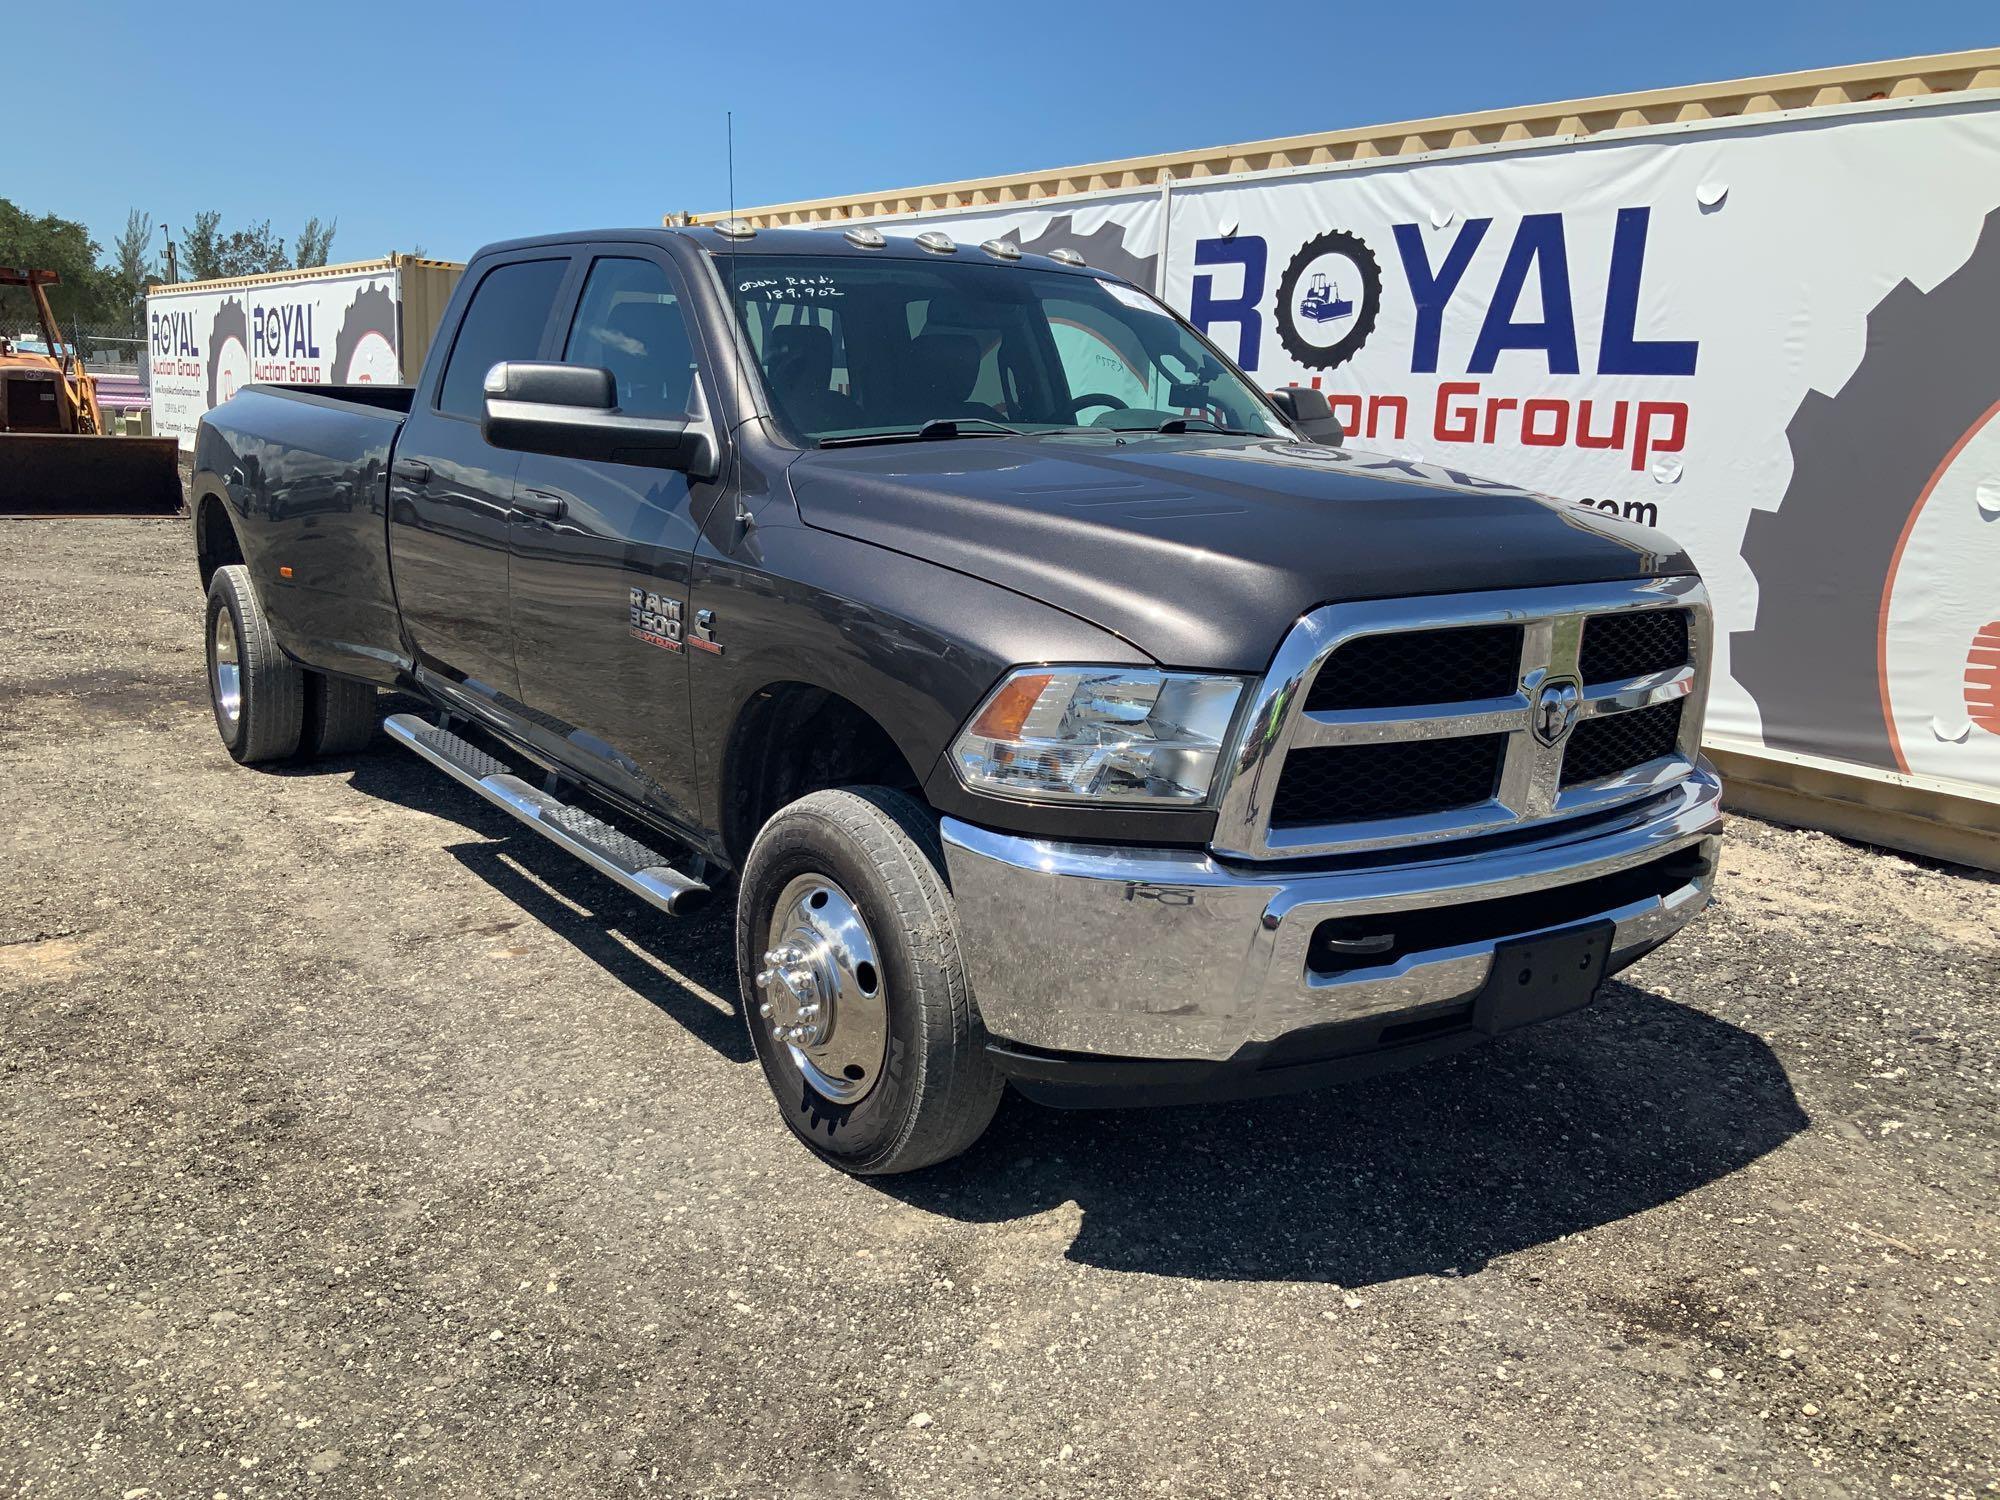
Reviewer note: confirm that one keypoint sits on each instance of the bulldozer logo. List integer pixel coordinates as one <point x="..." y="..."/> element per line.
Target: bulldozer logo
<point x="228" y="352"/>
<point x="1323" y="303"/>
<point x="1328" y="300"/>
<point x="1878" y="612"/>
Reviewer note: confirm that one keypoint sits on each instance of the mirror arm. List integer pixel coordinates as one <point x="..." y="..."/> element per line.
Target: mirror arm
<point x="703" y="452"/>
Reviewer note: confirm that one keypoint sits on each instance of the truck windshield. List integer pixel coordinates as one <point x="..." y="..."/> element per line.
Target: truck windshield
<point x="853" y="349"/>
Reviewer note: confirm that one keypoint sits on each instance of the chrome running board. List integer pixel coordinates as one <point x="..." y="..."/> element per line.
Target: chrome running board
<point x="640" y="870"/>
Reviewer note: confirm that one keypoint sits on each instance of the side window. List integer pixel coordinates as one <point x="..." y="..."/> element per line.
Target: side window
<point x="504" y="320"/>
<point x="630" y="322"/>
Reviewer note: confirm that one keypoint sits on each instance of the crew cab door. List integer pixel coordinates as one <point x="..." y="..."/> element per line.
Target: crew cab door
<point x="601" y="552"/>
<point x="451" y="494"/>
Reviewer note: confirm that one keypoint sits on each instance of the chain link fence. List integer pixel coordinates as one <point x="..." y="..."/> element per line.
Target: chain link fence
<point x="112" y="349"/>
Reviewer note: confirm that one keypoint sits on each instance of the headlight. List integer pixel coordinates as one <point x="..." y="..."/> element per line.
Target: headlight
<point x="1099" y="734"/>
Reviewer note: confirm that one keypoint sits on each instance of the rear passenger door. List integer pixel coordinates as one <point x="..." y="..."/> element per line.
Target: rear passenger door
<point x="451" y="495"/>
<point x="601" y="552"/>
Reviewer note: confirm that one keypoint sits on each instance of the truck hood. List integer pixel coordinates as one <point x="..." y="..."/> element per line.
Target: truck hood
<point x="1202" y="550"/>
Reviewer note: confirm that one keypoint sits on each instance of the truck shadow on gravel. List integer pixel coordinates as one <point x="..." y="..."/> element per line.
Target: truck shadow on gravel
<point x="637" y="946"/>
<point x="1573" y="1124"/>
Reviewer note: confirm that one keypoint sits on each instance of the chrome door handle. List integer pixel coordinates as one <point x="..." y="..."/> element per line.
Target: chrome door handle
<point x="539" y="503"/>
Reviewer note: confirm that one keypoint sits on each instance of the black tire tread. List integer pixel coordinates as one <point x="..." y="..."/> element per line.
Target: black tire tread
<point x="273" y="686"/>
<point x="340" y="716"/>
<point x="957" y="1089"/>
<point x="968" y="1093"/>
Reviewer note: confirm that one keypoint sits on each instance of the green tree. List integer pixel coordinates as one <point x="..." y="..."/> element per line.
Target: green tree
<point x="208" y="252"/>
<point x="201" y="255"/>
<point x="52" y="244"/>
<point x="248" y="251"/>
<point x="131" y="268"/>
<point x="315" y="242"/>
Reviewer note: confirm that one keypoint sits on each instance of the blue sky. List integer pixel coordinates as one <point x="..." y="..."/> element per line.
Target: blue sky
<point x="447" y="126"/>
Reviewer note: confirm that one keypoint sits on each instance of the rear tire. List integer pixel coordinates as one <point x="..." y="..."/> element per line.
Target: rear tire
<point x="925" y="1089"/>
<point x="340" y="716"/>
<point x="257" y="694"/>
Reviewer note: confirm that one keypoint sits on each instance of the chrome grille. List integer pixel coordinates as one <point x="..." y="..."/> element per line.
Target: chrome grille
<point x="1351" y="783"/>
<point x="1617" y="742"/>
<point x="1419" y="666"/>
<point x="1630" y="645"/>
<point x="1387" y="723"/>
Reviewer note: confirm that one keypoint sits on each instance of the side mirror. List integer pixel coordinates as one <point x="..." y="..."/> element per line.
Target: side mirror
<point x="1310" y="415"/>
<point x="571" y="411"/>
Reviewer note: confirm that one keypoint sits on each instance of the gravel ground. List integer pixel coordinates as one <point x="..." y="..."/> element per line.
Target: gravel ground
<point x="352" y="1141"/>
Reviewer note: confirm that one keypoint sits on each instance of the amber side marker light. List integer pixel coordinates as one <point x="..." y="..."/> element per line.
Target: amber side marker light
<point x="1003" y="717"/>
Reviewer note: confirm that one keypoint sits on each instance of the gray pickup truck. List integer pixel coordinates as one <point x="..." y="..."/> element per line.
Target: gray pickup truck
<point x="1064" y="711"/>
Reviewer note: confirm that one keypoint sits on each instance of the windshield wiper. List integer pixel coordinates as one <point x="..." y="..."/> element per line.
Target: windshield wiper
<point x="1180" y="424"/>
<point x="938" y="429"/>
<point x="947" y="427"/>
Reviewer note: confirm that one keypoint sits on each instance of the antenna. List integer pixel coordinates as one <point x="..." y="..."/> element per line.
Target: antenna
<point x="744" y="520"/>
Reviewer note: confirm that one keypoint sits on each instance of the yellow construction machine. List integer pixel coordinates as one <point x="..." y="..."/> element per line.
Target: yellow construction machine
<point x="55" y="456"/>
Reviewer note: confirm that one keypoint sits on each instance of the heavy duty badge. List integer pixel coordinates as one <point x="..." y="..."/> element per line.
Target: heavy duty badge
<point x="656" y="619"/>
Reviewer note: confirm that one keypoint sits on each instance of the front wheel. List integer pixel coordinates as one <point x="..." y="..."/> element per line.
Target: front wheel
<point x="855" y="994"/>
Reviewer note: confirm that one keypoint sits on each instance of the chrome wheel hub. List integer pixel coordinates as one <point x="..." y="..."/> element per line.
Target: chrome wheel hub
<point x="228" y="667"/>
<point x="820" y="989"/>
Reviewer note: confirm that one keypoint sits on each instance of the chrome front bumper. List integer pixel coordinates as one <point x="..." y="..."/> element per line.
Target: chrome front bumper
<point x="1157" y="953"/>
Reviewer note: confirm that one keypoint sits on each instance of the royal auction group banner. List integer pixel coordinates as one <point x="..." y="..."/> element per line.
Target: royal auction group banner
<point x="1778" y="341"/>
<point x="205" y="341"/>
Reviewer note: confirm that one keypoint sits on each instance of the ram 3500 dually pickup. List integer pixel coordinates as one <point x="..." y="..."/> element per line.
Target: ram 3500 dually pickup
<point x="1065" y="711"/>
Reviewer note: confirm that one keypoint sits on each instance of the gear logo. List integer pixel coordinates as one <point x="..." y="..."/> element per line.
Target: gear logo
<point x="228" y="352"/>
<point x="1878" y="575"/>
<point x="1328" y="300"/>
<point x="1103" y="249"/>
<point x="365" y="351"/>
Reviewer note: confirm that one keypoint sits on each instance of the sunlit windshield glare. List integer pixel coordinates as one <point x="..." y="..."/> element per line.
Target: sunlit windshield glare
<point x="852" y="347"/>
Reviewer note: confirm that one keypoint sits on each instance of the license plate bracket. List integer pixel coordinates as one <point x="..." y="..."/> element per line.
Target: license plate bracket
<point x="1547" y="975"/>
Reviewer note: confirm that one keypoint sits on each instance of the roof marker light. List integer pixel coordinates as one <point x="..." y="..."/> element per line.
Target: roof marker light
<point x="1002" y="249"/>
<point x="1067" y="256"/>
<point x="863" y="237"/>
<point x="736" y="229"/>
<point x="936" y="241"/>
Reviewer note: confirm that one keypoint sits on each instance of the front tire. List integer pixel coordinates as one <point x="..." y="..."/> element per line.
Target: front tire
<point x="864" y="1021"/>
<point x="257" y="694"/>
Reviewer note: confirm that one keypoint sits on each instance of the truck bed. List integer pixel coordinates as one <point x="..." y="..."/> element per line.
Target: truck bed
<point x="312" y="463"/>
<point x="380" y="398"/>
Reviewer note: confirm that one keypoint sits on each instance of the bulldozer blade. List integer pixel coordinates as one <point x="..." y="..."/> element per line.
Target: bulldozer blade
<point x="64" y="474"/>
